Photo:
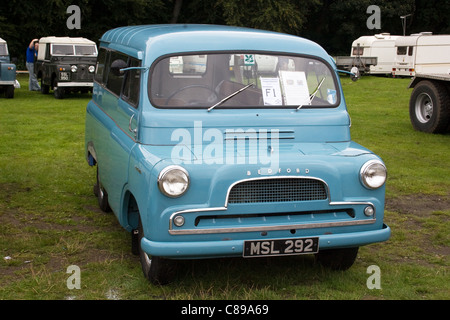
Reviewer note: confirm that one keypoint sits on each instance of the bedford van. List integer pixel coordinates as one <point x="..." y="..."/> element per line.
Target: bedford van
<point x="200" y="152"/>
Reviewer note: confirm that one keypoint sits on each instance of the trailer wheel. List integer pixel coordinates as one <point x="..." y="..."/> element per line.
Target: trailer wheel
<point x="429" y="107"/>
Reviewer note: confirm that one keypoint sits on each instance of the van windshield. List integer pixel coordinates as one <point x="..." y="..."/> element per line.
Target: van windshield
<point x="71" y="50"/>
<point x="3" y="49"/>
<point x="242" y="80"/>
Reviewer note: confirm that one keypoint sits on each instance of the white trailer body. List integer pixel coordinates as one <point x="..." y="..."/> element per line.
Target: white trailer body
<point x="422" y="53"/>
<point x="381" y="46"/>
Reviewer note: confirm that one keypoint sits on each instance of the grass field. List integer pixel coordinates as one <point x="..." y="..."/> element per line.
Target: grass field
<point x="49" y="218"/>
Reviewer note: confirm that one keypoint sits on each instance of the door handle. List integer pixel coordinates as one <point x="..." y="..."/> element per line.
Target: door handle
<point x="134" y="131"/>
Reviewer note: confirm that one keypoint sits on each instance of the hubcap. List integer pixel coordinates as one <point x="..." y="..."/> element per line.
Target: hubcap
<point x="424" y="108"/>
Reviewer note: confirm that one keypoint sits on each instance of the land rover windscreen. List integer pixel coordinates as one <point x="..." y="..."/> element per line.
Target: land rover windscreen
<point x="242" y="80"/>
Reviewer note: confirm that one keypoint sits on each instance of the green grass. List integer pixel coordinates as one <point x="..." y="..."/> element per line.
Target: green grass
<point x="49" y="218"/>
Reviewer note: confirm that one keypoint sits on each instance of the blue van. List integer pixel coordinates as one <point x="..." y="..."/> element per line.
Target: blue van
<point x="7" y="71"/>
<point x="218" y="141"/>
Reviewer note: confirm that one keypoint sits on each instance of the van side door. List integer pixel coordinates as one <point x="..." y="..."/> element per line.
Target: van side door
<point x="119" y="100"/>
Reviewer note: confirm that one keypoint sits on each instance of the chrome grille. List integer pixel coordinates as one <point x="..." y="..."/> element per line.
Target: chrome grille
<point x="277" y="190"/>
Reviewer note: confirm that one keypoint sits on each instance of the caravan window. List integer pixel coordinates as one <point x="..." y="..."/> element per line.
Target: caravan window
<point x="401" y="51"/>
<point x="358" y="51"/>
<point x="410" y="51"/>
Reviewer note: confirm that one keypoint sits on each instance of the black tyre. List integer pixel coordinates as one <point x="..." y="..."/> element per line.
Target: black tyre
<point x="337" y="259"/>
<point x="102" y="195"/>
<point x="9" y="92"/>
<point x="157" y="270"/>
<point x="45" y="88"/>
<point x="429" y="107"/>
<point x="59" y="93"/>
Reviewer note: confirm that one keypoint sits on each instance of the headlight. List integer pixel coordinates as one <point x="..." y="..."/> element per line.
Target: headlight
<point x="73" y="68"/>
<point x="173" y="181"/>
<point x="91" y="69"/>
<point x="373" y="174"/>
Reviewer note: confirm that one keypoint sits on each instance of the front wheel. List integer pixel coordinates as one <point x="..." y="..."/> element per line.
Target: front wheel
<point x="429" y="108"/>
<point x="157" y="270"/>
<point x="58" y="92"/>
<point x="9" y="92"/>
<point x="337" y="259"/>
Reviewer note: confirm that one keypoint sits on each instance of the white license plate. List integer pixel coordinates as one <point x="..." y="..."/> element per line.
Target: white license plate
<point x="64" y="76"/>
<point x="280" y="247"/>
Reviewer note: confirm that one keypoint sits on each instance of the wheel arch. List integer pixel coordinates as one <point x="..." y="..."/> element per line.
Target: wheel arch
<point x="130" y="211"/>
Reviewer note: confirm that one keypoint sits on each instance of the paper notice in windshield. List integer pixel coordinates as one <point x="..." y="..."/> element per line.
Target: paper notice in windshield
<point x="271" y="92"/>
<point x="295" y="88"/>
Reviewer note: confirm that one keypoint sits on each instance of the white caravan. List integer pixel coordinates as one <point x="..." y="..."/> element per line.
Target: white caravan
<point x="422" y="53"/>
<point x="381" y="46"/>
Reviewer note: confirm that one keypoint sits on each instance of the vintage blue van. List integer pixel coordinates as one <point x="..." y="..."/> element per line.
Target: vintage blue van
<point x="7" y="71"/>
<point x="217" y="141"/>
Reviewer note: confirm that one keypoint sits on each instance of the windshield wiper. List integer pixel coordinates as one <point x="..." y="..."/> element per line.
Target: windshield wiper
<point x="230" y="96"/>
<point x="313" y="95"/>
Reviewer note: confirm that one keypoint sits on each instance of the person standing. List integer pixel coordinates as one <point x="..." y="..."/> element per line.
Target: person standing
<point x="31" y="55"/>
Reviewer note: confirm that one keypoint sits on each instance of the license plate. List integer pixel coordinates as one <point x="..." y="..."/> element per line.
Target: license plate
<point x="64" y="76"/>
<point x="280" y="247"/>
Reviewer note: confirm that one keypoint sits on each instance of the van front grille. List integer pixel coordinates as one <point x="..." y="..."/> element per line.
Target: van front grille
<point x="278" y="190"/>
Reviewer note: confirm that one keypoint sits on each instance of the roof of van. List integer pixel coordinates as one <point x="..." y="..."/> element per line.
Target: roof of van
<point x="173" y="38"/>
<point x="65" y="40"/>
<point x="2" y="41"/>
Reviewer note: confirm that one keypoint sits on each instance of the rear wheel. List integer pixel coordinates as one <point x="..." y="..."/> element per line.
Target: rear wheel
<point x="337" y="259"/>
<point x="157" y="270"/>
<point x="429" y="107"/>
<point x="102" y="195"/>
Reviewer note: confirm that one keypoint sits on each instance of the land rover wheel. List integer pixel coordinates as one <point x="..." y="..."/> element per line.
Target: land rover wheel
<point x="429" y="107"/>
<point x="58" y="92"/>
<point x="45" y="88"/>
<point x="157" y="270"/>
<point x="9" y="92"/>
<point x="337" y="259"/>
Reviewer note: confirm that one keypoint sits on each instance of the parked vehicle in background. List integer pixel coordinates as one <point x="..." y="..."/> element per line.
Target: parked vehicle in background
<point x="7" y="71"/>
<point x="66" y="65"/>
<point x="201" y="152"/>
<point x="423" y="53"/>
<point x="429" y="106"/>
<point x="371" y="54"/>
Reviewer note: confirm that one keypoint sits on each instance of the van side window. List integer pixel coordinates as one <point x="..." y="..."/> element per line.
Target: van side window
<point x="100" y="68"/>
<point x="115" y="76"/>
<point x="130" y="91"/>
<point x="410" y="51"/>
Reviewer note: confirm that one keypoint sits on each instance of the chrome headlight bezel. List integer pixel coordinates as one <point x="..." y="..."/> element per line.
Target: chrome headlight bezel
<point x="73" y="68"/>
<point x="373" y="174"/>
<point x="173" y="181"/>
<point x="91" y="69"/>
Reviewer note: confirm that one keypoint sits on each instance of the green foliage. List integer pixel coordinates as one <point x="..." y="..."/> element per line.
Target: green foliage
<point x="333" y="24"/>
